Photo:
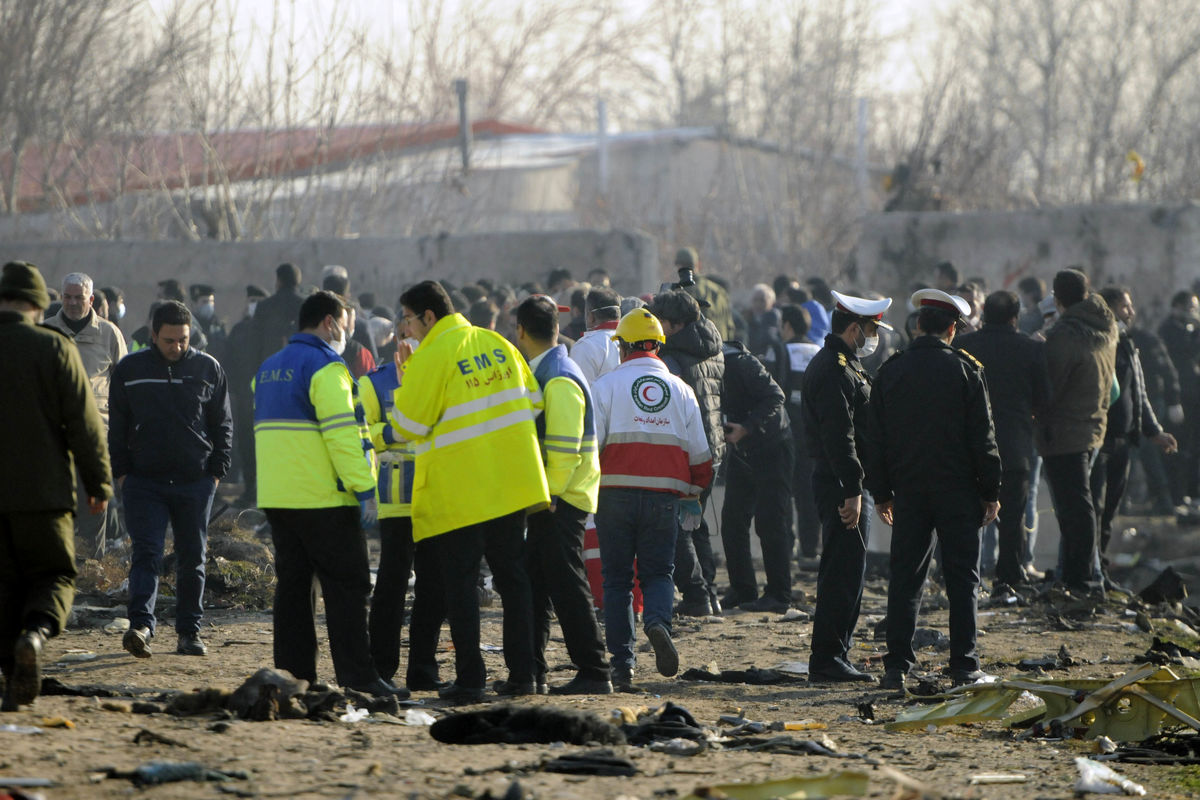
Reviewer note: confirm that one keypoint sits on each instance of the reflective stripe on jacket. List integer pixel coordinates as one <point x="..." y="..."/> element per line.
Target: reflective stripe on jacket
<point x="649" y="431"/>
<point x="309" y="441"/>
<point x="567" y="430"/>
<point x="467" y="400"/>
<point x="394" y="456"/>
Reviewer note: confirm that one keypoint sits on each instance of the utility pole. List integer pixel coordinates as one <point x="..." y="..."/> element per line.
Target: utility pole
<point x="602" y="146"/>
<point x="464" y="123"/>
<point x="860" y="157"/>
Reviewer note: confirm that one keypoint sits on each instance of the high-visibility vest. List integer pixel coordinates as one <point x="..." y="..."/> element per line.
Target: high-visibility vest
<point x="310" y="443"/>
<point x="567" y="430"/>
<point x="467" y="401"/>
<point x="393" y="456"/>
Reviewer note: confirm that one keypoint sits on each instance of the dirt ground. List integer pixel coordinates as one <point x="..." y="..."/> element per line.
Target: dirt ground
<point x="385" y="759"/>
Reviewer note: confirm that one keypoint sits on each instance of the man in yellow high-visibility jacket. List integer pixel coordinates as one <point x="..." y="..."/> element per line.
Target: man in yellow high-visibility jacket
<point x="397" y="554"/>
<point x="468" y="400"/>
<point x="317" y="486"/>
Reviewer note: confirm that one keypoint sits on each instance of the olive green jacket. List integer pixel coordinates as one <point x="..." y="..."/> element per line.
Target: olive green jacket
<point x="50" y="421"/>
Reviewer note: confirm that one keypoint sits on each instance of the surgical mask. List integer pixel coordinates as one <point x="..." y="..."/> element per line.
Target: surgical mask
<point x="205" y="311"/>
<point x="1121" y="326"/>
<point x="250" y="308"/>
<point x="413" y="343"/>
<point x="339" y="344"/>
<point x="868" y="346"/>
<point x="120" y="311"/>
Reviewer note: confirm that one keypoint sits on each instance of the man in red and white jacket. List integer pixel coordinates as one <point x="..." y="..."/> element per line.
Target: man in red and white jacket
<point x="654" y="462"/>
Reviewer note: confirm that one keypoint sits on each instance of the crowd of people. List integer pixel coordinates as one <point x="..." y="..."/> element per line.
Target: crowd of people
<point x="493" y="424"/>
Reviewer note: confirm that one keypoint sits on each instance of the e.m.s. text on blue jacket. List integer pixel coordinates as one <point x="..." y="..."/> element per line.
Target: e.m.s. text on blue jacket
<point x="169" y="420"/>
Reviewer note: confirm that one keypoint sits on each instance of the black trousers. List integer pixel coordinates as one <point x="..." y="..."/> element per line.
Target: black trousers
<point x="808" y="519"/>
<point x="397" y="558"/>
<point x="695" y="565"/>
<point x="37" y="575"/>
<point x="840" y="575"/>
<point x="326" y="543"/>
<point x="502" y="541"/>
<point x="1069" y="479"/>
<point x="956" y="516"/>
<point x="1010" y="527"/>
<point x="759" y="489"/>
<point x="558" y="577"/>
<point x="1184" y="467"/>
<point x="1109" y="478"/>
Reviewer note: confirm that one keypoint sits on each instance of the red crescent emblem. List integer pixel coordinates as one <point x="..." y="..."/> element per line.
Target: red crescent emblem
<point x="646" y="394"/>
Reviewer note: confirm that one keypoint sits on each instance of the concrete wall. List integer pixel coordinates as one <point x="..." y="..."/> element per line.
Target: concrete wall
<point x="1153" y="249"/>
<point x="384" y="266"/>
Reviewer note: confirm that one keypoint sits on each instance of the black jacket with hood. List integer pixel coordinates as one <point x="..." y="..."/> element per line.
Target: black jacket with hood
<point x="694" y="354"/>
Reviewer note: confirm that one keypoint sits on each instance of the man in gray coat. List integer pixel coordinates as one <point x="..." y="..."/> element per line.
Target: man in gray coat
<point x="1081" y="355"/>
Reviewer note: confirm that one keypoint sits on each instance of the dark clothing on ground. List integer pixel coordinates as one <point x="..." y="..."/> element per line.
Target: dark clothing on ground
<point x="558" y="575"/>
<point x="325" y="543"/>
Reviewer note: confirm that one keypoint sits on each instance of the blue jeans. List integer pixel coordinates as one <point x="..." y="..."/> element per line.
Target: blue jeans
<point x="149" y="505"/>
<point x="635" y="524"/>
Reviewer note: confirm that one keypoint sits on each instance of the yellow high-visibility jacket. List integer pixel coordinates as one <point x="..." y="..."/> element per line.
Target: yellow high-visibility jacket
<point x="467" y="401"/>
<point x="393" y="455"/>
<point x="311" y="447"/>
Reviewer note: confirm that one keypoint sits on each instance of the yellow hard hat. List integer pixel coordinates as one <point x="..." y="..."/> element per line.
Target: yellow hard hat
<point x="639" y="325"/>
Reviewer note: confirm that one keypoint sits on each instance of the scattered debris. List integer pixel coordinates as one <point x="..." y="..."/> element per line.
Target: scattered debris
<point x="928" y="637"/>
<point x="153" y="773"/>
<point x="990" y="779"/>
<point x="147" y="736"/>
<point x="354" y="714"/>
<point x="24" y="730"/>
<point x="592" y="762"/>
<point x="415" y="716"/>
<point x="839" y="783"/>
<point x="1168" y="587"/>
<point x="752" y="676"/>
<point x="1102" y="779"/>
<point x="509" y="724"/>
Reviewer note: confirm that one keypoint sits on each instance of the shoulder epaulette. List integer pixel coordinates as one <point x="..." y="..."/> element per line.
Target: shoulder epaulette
<point x="965" y="356"/>
<point x="842" y="360"/>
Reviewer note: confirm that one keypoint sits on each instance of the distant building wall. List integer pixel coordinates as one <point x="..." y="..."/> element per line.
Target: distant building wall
<point x="1155" y="250"/>
<point x="384" y="266"/>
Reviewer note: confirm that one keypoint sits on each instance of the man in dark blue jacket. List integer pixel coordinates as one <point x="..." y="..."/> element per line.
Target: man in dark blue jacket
<point x="1015" y="370"/>
<point x="170" y="436"/>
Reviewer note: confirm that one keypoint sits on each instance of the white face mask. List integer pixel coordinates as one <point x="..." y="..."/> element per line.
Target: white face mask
<point x="120" y="311"/>
<point x="205" y="311"/>
<point x="867" y="347"/>
<point x="413" y="343"/>
<point x="250" y="308"/>
<point x="339" y="344"/>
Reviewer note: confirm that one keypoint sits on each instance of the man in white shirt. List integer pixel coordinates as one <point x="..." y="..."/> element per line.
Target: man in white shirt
<point x="595" y="352"/>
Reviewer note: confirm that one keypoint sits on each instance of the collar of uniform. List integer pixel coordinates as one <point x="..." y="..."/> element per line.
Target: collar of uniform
<point x="607" y="326"/>
<point x="835" y="341"/>
<point x="928" y="340"/>
<point x="449" y="322"/>
<point x="310" y="339"/>
<point x="637" y="355"/>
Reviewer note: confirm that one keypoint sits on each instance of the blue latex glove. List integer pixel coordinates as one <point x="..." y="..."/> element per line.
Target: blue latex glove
<point x="691" y="513"/>
<point x="368" y="513"/>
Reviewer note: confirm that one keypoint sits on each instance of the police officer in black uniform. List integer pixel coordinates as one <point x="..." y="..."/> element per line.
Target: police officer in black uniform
<point x="932" y="464"/>
<point x="836" y="390"/>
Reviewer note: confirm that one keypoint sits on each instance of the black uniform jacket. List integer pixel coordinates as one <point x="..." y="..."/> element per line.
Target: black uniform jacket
<point x="836" y="390"/>
<point x="1015" y="371"/>
<point x="751" y="397"/>
<point x="930" y="424"/>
